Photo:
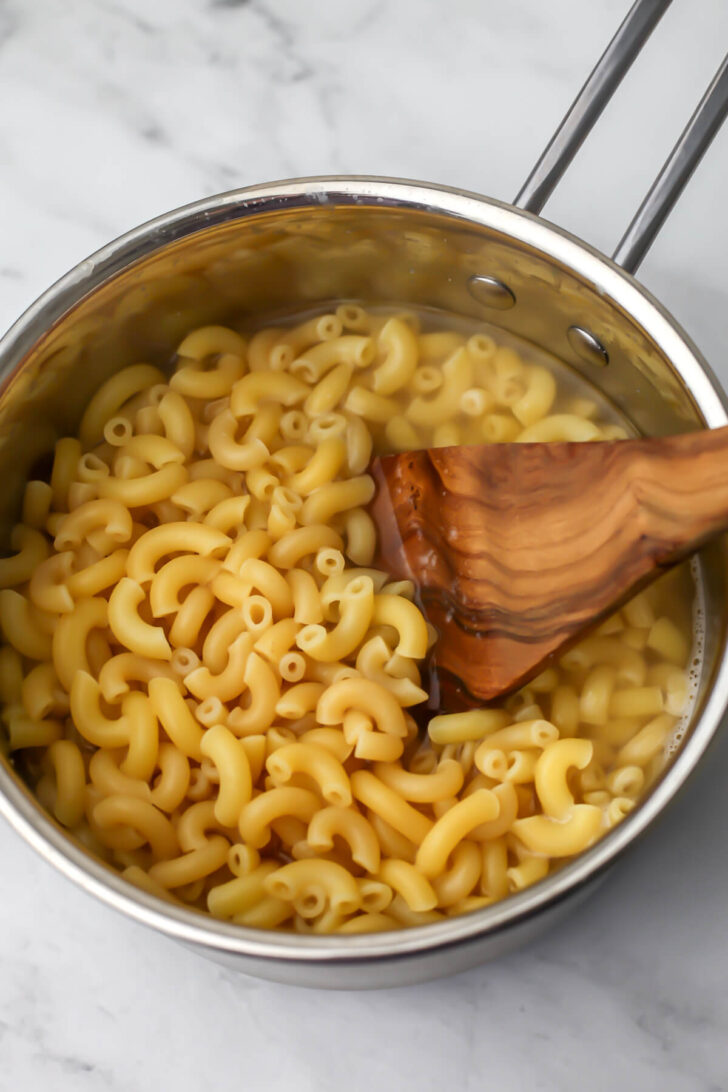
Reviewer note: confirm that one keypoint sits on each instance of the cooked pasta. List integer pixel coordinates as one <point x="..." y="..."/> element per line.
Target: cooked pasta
<point x="209" y="681"/>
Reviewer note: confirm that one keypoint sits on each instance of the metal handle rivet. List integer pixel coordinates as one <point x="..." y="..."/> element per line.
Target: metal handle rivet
<point x="491" y="292"/>
<point x="587" y="347"/>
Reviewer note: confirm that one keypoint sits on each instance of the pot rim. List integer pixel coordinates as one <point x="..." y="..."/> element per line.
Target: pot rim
<point x="21" y="809"/>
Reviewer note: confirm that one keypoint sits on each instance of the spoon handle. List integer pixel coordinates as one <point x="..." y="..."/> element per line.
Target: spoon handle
<point x="680" y="484"/>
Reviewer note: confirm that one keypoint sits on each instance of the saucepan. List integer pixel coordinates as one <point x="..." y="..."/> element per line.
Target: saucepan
<point x="294" y="245"/>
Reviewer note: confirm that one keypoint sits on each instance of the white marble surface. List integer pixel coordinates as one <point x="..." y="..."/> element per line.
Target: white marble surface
<point x="115" y="110"/>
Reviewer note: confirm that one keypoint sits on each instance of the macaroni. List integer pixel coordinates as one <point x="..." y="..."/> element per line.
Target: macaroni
<point x="209" y="676"/>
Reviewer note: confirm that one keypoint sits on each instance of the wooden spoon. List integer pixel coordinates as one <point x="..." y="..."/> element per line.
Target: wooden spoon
<point x="517" y="549"/>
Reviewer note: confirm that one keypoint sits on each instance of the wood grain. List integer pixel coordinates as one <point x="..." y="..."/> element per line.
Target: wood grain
<point x="518" y="549"/>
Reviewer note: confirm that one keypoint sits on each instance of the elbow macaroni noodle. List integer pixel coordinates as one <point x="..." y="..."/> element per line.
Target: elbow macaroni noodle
<point x="210" y="683"/>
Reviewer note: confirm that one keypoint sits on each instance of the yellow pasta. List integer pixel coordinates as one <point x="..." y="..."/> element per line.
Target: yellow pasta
<point x="457" y="377"/>
<point x="665" y="638"/>
<point x="560" y="837"/>
<point x="322" y="467"/>
<point x="112" y="396"/>
<point x="227" y="684"/>
<point x="376" y="661"/>
<point x="170" y="538"/>
<point x="347" y="349"/>
<point x="334" y="497"/>
<point x="37" y="499"/>
<point x="233" y="767"/>
<point x="142" y="817"/>
<point x="111" y="516"/>
<point x="353" y="828"/>
<point x="359" y="444"/>
<point x="32" y="549"/>
<point x="41" y="692"/>
<point x="399" y="346"/>
<point x="194" y="381"/>
<point x="355" y="617"/>
<point x="313" y="885"/>
<point x="528" y="871"/>
<point x="175" y="716"/>
<point x="70" y="774"/>
<point x="378" y="747"/>
<point x="128" y="627"/>
<point x="22" y="627"/>
<point x="277" y="639"/>
<point x="264" y="693"/>
<point x="48" y="588"/>
<point x="538" y="397"/>
<point x="365" y="696"/>
<point x="225" y="900"/>
<point x="318" y="764"/>
<point x="458" y="882"/>
<point x="389" y="806"/>
<point x="551" y="770"/>
<point x="596" y="693"/>
<point x="229" y="452"/>
<point x="214" y="676"/>
<point x="482" y="806"/>
<point x="410" y="883"/>
<point x="147" y="489"/>
<point x="637" y="701"/>
<point x="560" y="426"/>
<point x="96" y="577"/>
<point x="190" y="617"/>
<point x="460" y="727"/>
<point x="257" y="816"/>
<point x="442" y="783"/>
<point x="191" y="866"/>
<point x="494" y="873"/>
<point x="256" y="387"/>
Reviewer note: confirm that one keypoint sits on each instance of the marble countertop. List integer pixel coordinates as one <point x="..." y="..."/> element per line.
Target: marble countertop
<point x="115" y="110"/>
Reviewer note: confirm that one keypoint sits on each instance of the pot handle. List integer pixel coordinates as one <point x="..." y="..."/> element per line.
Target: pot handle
<point x="695" y="140"/>
<point x="697" y="136"/>
<point x="587" y="107"/>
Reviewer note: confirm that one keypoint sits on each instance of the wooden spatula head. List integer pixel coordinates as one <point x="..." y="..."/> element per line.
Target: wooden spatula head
<point x="517" y="549"/>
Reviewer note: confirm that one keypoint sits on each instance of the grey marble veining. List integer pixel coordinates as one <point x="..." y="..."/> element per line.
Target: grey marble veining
<point x="115" y="110"/>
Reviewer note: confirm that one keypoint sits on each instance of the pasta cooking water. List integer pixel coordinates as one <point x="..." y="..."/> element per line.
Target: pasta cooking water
<point x="209" y="682"/>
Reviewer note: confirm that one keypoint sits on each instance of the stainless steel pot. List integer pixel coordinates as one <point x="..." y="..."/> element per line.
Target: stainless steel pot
<point x="299" y="243"/>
